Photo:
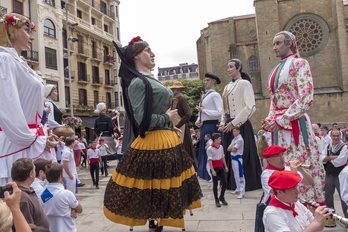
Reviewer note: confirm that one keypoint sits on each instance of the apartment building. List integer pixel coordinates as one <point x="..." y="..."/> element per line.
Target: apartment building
<point x="89" y="26"/>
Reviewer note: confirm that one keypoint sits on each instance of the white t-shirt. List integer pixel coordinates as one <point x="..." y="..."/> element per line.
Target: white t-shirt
<point x="68" y="155"/>
<point x="102" y="149"/>
<point x="38" y="185"/>
<point x="119" y="148"/>
<point x="277" y="219"/>
<point x="58" y="207"/>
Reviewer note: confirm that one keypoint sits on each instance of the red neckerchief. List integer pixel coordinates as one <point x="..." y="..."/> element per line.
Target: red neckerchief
<point x="271" y="167"/>
<point x="213" y="145"/>
<point x="317" y="134"/>
<point x="93" y="148"/>
<point x="276" y="203"/>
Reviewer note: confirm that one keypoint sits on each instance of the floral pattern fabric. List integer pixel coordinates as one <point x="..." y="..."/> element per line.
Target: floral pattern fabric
<point x="291" y="97"/>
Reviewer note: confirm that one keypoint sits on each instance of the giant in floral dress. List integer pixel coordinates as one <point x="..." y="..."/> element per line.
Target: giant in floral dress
<point x="291" y="93"/>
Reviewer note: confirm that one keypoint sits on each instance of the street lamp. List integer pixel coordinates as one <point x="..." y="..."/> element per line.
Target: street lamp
<point x="68" y="38"/>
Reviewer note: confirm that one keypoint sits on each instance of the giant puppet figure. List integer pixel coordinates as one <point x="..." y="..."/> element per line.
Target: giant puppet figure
<point x="291" y="93"/>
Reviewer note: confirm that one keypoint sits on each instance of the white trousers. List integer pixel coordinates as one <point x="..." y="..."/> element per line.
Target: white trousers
<point x="240" y="181"/>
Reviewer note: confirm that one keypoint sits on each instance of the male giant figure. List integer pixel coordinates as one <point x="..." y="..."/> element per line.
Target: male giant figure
<point x="209" y="115"/>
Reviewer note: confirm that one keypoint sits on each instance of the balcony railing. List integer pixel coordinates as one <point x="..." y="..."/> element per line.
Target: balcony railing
<point x="50" y="2"/>
<point x="97" y="80"/>
<point x="3" y="10"/>
<point x="109" y="82"/>
<point x="83" y="51"/>
<point x="31" y="55"/>
<point x="83" y="77"/>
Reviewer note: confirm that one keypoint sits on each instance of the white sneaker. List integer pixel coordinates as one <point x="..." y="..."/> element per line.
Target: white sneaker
<point x="234" y="192"/>
<point x="210" y="181"/>
<point x="240" y="197"/>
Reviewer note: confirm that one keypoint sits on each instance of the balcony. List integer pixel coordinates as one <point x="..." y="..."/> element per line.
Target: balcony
<point x="97" y="57"/>
<point x="50" y="2"/>
<point x="110" y="60"/>
<point x="82" y="52"/>
<point x="83" y="78"/>
<point x="97" y="81"/>
<point x="109" y="83"/>
<point x="3" y="11"/>
<point x="31" y="55"/>
<point x="66" y="75"/>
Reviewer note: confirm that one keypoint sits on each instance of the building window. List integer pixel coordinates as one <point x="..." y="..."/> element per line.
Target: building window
<point x="94" y="49"/>
<point x="108" y="100"/>
<point x="115" y="77"/>
<point x="106" y="28"/>
<point x="116" y="100"/>
<point x="96" y="98"/>
<point x="51" y="58"/>
<point x="62" y="4"/>
<point x="82" y="74"/>
<point x="80" y="44"/>
<point x="106" y="52"/>
<point x="103" y="7"/>
<point x="17" y="7"/>
<point x="65" y="43"/>
<point x="57" y="86"/>
<point x="49" y="28"/>
<point x="107" y="77"/>
<point x="112" y="12"/>
<point x="117" y="11"/>
<point x="93" y="21"/>
<point x="118" y="33"/>
<point x="50" y="2"/>
<point x="253" y="64"/>
<point x="83" y="97"/>
<point x="79" y="14"/>
<point x="95" y="74"/>
<point x="67" y="95"/>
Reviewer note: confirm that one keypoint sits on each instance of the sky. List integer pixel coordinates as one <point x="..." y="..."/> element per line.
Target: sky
<point x="172" y="27"/>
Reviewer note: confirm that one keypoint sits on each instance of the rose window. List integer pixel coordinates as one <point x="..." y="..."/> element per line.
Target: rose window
<point x="311" y="33"/>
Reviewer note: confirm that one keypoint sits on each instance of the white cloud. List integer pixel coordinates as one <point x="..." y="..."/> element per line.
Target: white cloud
<point x="173" y="27"/>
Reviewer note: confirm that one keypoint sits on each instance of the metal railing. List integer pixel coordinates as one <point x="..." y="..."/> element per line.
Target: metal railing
<point x="31" y="55"/>
<point x="50" y="2"/>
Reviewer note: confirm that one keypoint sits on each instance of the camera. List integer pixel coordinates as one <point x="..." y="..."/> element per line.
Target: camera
<point x="73" y="39"/>
<point x="4" y="189"/>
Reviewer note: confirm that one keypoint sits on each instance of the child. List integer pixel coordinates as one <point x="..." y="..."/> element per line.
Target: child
<point x="102" y="146"/>
<point x="69" y="166"/>
<point x="58" y="202"/>
<point x="218" y="167"/>
<point x="236" y="148"/>
<point x="94" y="159"/>
<point x="208" y="142"/>
<point x="118" y="148"/>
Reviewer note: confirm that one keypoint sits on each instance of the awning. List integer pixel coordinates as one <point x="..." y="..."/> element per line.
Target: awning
<point x="88" y="121"/>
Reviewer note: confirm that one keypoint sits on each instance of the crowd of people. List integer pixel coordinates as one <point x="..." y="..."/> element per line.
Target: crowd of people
<point x="156" y="179"/>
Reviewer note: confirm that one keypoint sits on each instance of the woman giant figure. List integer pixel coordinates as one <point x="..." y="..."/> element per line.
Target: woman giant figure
<point x="155" y="179"/>
<point x="22" y="97"/>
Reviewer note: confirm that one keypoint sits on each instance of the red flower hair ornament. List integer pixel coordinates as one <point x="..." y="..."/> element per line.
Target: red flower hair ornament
<point x="14" y="20"/>
<point x="135" y="39"/>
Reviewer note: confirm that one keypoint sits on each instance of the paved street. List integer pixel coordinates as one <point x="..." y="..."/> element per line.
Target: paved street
<point x="237" y="216"/>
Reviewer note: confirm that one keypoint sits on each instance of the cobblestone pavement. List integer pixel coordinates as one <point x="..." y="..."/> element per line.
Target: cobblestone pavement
<point x="237" y="216"/>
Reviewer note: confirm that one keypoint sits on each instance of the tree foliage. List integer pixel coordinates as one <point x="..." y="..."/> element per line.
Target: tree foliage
<point x="195" y="89"/>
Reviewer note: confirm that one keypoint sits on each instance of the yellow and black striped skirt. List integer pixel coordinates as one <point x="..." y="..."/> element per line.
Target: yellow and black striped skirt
<point x="154" y="180"/>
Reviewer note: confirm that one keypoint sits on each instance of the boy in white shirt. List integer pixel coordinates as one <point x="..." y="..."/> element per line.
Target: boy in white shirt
<point x="236" y="148"/>
<point x="102" y="146"/>
<point x="58" y="202"/>
<point x="69" y="166"/>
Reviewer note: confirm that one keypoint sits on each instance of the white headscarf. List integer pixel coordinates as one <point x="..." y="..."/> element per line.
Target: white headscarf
<point x="48" y="89"/>
<point x="100" y="107"/>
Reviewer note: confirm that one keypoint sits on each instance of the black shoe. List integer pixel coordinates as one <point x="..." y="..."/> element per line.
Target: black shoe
<point x="222" y="199"/>
<point x="152" y="225"/>
<point x="97" y="187"/>
<point x="93" y="183"/>
<point x="217" y="203"/>
<point x="80" y="185"/>
<point x="158" y="228"/>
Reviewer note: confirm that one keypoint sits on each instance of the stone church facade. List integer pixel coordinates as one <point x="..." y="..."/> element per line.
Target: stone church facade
<point x="321" y="30"/>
